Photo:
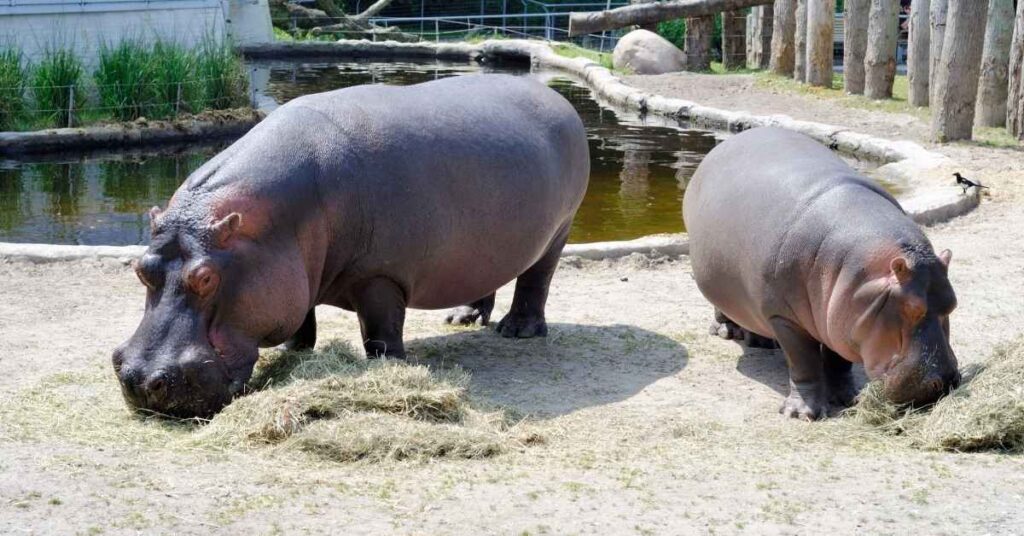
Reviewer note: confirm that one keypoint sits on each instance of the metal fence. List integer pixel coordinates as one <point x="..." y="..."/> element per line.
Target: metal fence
<point x="436" y="20"/>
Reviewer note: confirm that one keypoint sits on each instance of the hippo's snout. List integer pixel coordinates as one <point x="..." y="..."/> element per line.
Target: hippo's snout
<point x="919" y="384"/>
<point x="190" y="385"/>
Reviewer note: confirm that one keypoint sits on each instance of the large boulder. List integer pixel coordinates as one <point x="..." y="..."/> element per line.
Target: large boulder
<point x="644" y="52"/>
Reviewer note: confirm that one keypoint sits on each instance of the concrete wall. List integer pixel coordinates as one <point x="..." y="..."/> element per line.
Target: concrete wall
<point x="83" y="25"/>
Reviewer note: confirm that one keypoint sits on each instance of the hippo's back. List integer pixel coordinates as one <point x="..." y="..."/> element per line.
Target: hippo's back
<point x="463" y="183"/>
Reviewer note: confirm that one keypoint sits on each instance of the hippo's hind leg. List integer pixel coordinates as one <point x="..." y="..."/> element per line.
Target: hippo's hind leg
<point x="808" y="396"/>
<point x="526" y="317"/>
<point x="380" y="306"/>
<point x="305" y="337"/>
<point x="838" y="374"/>
<point x="468" y="315"/>
<point x="727" y="329"/>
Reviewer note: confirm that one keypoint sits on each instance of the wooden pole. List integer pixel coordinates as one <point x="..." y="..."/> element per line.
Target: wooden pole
<point x="880" y="60"/>
<point x="937" y="20"/>
<point x="734" y="39"/>
<point x="783" y="48"/>
<point x="820" y="51"/>
<point x="855" y="44"/>
<point x="918" y="53"/>
<point x="956" y="86"/>
<point x="641" y="14"/>
<point x="993" y="85"/>
<point x="1015" y="101"/>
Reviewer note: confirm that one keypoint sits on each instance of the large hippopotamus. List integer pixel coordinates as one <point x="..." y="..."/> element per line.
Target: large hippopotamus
<point x="372" y="199"/>
<point x="789" y="243"/>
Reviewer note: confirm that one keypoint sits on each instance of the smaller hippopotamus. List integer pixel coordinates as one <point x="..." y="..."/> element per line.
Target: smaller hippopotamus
<point x="789" y="243"/>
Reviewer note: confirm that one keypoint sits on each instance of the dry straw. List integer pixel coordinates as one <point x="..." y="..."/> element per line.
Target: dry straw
<point x="328" y="403"/>
<point x="985" y="413"/>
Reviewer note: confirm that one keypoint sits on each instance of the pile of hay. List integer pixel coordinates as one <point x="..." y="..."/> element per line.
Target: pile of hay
<point x="985" y="413"/>
<point x="341" y="407"/>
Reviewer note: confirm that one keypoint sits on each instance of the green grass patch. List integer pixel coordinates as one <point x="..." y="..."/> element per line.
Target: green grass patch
<point x="224" y="83"/>
<point x="568" y="50"/>
<point x="897" y="104"/>
<point x="57" y="87"/>
<point x="329" y="404"/>
<point x="12" y="87"/>
<point x="124" y="79"/>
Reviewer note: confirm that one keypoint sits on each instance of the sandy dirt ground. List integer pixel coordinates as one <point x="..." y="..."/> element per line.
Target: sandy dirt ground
<point x="651" y="425"/>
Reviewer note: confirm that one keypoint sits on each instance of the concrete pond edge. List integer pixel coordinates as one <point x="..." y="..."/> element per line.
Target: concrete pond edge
<point x="927" y="200"/>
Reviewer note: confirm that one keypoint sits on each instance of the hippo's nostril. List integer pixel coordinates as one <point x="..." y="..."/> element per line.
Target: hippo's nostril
<point x="156" y="387"/>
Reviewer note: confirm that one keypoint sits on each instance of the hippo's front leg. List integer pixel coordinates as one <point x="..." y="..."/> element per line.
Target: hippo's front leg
<point x="468" y="315"/>
<point x="305" y="338"/>
<point x="808" y="392"/>
<point x="380" y="306"/>
<point x="842" y="389"/>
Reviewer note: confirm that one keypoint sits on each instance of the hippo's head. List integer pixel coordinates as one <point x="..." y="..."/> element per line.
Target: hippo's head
<point x="903" y="329"/>
<point x="215" y="291"/>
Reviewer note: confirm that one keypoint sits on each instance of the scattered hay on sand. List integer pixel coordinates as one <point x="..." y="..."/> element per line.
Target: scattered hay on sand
<point x="985" y="413"/>
<point x="337" y="406"/>
<point x="329" y="403"/>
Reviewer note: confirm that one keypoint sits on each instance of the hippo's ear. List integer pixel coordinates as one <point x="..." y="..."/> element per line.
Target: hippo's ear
<point x="223" y="230"/>
<point x="945" y="257"/>
<point x="901" y="270"/>
<point x="154" y="213"/>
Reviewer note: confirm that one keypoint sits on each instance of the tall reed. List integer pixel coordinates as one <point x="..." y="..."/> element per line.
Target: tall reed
<point x="57" y="87"/>
<point x="124" y="78"/>
<point x="12" y="87"/>
<point x="223" y="77"/>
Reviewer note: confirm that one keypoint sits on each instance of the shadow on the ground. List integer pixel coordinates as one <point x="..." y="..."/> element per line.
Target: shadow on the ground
<point x="574" y="367"/>
<point x="769" y="368"/>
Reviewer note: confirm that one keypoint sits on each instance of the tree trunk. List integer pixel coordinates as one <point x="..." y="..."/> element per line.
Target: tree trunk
<point x="641" y="14"/>
<point x="918" y="65"/>
<point x="956" y="88"/>
<point x="937" y="19"/>
<point x="783" y="33"/>
<point x="697" y="45"/>
<point x="995" y="61"/>
<point x="880" y="60"/>
<point x="734" y="39"/>
<point x="820" y="51"/>
<point x="800" y="42"/>
<point x="759" y="37"/>
<point x="855" y="44"/>
<point x="1015" y="101"/>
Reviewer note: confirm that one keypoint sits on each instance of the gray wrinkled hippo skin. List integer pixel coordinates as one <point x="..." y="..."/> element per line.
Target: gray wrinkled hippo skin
<point x="789" y="243"/>
<point x="372" y="199"/>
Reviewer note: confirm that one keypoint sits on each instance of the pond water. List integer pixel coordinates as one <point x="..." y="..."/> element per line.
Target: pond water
<point x="638" y="168"/>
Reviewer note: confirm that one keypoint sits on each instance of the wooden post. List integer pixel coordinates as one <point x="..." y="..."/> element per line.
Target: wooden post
<point x="880" y="60"/>
<point x="855" y="44"/>
<point x="760" y="39"/>
<point x="650" y="26"/>
<point x="646" y="13"/>
<point x="956" y="86"/>
<point x="697" y="45"/>
<point x="820" y="52"/>
<point x="1015" y="101"/>
<point x="995" y="62"/>
<point x="800" y="42"/>
<point x="918" y="53"/>
<point x="734" y="39"/>
<point x="783" y="34"/>
<point x="937" y="19"/>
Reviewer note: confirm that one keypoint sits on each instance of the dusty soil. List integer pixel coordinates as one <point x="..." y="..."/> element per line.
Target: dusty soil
<point x="652" y="426"/>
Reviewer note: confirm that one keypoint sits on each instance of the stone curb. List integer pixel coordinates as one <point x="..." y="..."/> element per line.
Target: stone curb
<point x="127" y="135"/>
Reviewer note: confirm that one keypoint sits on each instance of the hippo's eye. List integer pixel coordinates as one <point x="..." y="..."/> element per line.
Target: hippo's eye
<point x="202" y="281"/>
<point x="147" y="272"/>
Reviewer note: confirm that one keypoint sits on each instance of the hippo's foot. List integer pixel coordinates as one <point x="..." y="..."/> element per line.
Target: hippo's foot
<point x="521" y="326"/>
<point x="467" y="315"/>
<point x="380" y="305"/>
<point x="727" y="329"/>
<point x="807" y="402"/>
<point x="305" y="337"/>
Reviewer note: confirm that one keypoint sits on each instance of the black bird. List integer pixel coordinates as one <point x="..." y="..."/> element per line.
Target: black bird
<point x="966" y="183"/>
